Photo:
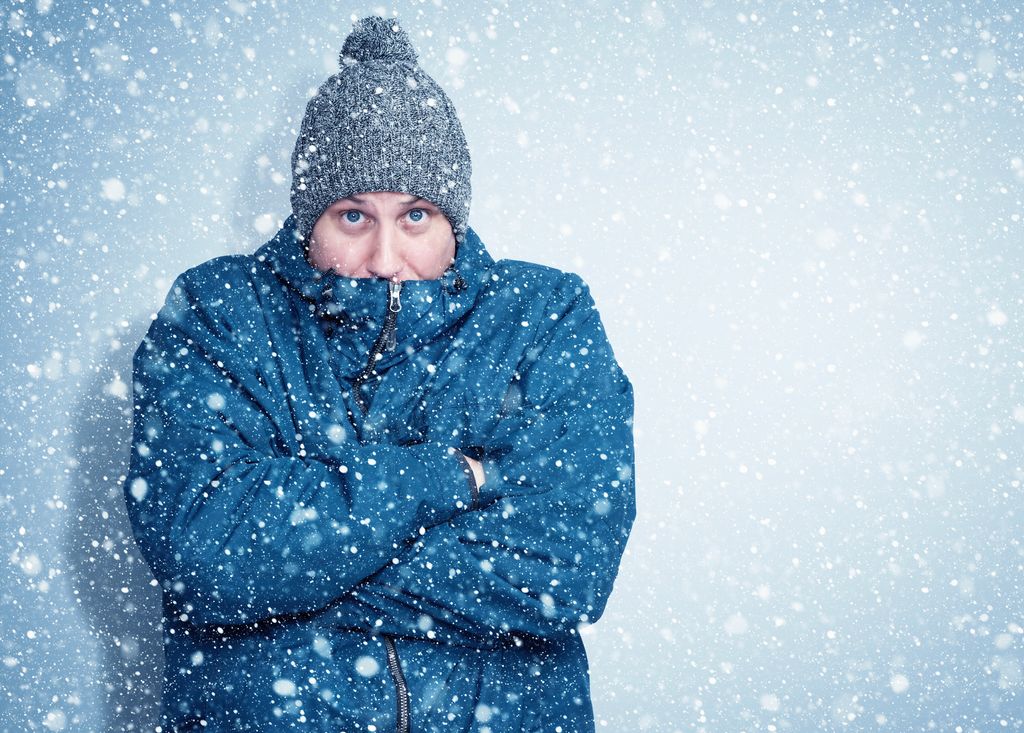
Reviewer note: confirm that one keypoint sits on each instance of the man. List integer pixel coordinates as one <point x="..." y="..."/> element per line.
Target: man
<point x="380" y="477"/>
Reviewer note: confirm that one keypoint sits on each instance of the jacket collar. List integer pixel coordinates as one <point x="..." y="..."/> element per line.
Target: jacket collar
<point x="359" y="304"/>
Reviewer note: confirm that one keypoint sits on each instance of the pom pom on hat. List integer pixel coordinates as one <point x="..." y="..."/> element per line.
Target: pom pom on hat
<point x="377" y="39"/>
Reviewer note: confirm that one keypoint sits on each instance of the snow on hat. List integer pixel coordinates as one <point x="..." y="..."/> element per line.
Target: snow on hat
<point x="380" y="124"/>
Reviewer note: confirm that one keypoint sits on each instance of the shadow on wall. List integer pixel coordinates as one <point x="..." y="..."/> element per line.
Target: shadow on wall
<point x="113" y="583"/>
<point x="260" y="201"/>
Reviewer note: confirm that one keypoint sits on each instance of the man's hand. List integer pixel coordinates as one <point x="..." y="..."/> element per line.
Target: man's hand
<point x="478" y="471"/>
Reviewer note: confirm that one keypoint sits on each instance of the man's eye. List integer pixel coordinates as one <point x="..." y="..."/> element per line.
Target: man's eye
<point x="418" y="215"/>
<point x="352" y="216"/>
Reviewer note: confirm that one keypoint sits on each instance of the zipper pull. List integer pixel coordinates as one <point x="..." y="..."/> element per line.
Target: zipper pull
<point x="394" y="288"/>
<point x="394" y="305"/>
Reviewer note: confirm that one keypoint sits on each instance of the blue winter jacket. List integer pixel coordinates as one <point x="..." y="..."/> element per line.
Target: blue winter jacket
<point x="326" y="564"/>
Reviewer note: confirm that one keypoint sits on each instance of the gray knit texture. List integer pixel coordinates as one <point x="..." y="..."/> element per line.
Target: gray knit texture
<point x="380" y="124"/>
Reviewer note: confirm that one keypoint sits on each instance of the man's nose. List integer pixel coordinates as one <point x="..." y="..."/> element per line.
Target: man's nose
<point x="385" y="261"/>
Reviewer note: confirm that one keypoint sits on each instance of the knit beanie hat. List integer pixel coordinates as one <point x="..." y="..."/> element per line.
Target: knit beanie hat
<point x="380" y="124"/>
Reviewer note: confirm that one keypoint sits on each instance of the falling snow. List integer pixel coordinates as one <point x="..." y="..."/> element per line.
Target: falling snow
<point x="801" y="224"/>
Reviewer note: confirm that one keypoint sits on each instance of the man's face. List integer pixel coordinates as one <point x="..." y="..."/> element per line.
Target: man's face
<point x="383" y="234"/>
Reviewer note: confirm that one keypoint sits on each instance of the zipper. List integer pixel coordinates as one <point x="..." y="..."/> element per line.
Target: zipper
<point x="402" y="723"/>
<point x="387" y="340"/>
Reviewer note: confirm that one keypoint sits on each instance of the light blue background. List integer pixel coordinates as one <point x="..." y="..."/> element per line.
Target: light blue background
<point x="802" y="225"/>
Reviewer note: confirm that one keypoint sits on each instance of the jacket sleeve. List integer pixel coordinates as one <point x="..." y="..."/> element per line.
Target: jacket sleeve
<point x="543" y="557"/>
<point x="235" y="526"/>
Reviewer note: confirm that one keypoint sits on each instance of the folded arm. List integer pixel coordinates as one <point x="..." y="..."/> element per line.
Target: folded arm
<point x="543" y="558"/>
<point x="235" y="526"/>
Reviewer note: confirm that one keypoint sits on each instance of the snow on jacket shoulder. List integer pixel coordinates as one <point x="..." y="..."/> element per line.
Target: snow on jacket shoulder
<point x="325" y="563"/>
